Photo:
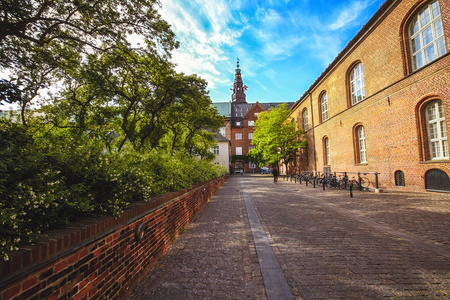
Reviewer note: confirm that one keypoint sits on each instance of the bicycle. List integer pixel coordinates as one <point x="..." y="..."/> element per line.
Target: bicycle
<point x="331" y="182"/>
<point x="362" y="182"/>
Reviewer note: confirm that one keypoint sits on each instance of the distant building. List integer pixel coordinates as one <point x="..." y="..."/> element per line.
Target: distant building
<point x="222" y="152"/>
<point x="239" y="121"/>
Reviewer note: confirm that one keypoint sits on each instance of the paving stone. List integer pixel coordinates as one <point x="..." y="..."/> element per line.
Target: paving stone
<point x="329" y="246"/>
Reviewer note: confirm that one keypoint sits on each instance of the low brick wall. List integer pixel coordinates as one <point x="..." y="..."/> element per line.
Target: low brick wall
<point x="102" y="258"/>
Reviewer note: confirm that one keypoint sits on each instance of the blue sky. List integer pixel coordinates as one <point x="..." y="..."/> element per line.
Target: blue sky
<point x="283" y="45"/>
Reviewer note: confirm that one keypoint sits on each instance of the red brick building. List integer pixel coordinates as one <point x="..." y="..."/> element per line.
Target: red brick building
<point x="383" y="104"/>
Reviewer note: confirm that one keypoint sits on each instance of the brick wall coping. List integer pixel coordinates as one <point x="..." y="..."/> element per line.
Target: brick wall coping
<point x="61" y="242"/>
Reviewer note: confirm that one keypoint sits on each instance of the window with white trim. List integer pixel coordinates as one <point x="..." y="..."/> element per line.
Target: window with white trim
<point x="238" y="150"/>
<point x="305" y="120"/>
<point x="326" y="149"/>
<point x="252" y="165"/>
<point x="250" y="135"/>
<point x="361" y="139"/>
<point x="436" y="129"/>
<point x="238" y="136"/>
<point x="216" y="150"/>
<point x="426" y="35"/>
<point x="357" y="89"/>
<point x="324" y="107"/>
<point x="251" y="123"/>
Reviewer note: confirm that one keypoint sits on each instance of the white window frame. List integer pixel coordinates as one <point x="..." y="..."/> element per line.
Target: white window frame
<point x="305" y="120"/>
<point x="251" y="165"/>
<point x="250" y="135"/>
<point x="327" y="151"/>
<point x="238" y="123"/>
<point x="238" y="136"/>
<point x="251" y="123"/>
<point x="360" y="134"/>
<point x="238" y="150"/>
<point x="216" y="150"/>
<point x="357" y="85"/>
<point x="251" y="147"/>
<point x="426" y="36"/>
<point x="324" y="107"/>
<point x="437" y="131"/>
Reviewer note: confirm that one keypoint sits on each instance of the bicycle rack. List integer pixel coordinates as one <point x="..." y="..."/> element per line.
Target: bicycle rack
<point x="349" y="183"/>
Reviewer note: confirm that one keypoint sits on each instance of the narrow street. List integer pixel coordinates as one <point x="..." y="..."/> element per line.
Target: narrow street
<point x="327" y="246"/>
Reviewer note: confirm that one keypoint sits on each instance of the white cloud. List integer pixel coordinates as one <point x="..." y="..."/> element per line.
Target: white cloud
<point x="263" y="34"/>
<point x="203" y="28"/>
<point x="349" y="14"/>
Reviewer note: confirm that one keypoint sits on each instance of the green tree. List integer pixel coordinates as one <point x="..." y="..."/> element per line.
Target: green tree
<point x="142" y="99"/>
<point x="191" y="120"/>
<point x="276" y="138"/>
<point x="55" y="168"/>
<point x="39" y="38"/>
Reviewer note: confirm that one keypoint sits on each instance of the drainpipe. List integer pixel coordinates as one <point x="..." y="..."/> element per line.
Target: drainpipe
<point x="313" y="135"/>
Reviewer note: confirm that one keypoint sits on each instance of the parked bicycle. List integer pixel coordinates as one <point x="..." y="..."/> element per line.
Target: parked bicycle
<point x="360" y="183"/>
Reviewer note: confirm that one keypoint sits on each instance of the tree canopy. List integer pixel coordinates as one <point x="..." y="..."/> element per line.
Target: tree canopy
<point x="40" y="39"/>
<point x="119" y="125"/>
<point x="276" y="138"/>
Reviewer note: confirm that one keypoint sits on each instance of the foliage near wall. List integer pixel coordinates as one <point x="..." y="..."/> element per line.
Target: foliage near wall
<point x="118" y="124"/>
<point x="103" y="258"/>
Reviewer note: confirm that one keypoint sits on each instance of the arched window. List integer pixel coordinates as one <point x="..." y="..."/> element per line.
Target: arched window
<point x="360" y="144"/>
<point x="326" y="151"/>
<point x="356" y="81"/>
<point x="436" y="129"/>
<point x="399" y="178"/>
<point x="305" y="120"/>
<point x="324" y="107"/>
<point x="426" y="35"/>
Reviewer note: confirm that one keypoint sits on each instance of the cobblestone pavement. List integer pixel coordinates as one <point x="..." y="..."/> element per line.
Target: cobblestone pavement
<point x="329" y="246"/>
<point x="215" y="258"/>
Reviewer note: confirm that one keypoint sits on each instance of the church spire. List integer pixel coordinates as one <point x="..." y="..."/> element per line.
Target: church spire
<point x="239" y="88"/>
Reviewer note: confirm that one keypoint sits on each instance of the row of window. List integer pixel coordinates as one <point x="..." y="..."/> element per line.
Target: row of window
<point x="216" y="150"/>
<point x="238" y="136"/>
<point x="239" y="149"/>
<point x="360" y="144"/>
<point x="427" y="43"/>
<point x="250" y="123"/>
<point x="436" y="136"/>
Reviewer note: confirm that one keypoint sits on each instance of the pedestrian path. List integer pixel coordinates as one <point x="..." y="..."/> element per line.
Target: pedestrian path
<point x="215" y="258"/>
<point x="260" y="240"/>
<point x="274" y="281"/>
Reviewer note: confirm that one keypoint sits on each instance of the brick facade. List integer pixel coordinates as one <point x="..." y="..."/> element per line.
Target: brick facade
<point x="104" y="258"/>
<point x="392" y="113"/>
<point x="246" y="129"/>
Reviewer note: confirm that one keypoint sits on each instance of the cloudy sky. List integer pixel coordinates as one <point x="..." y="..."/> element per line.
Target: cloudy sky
<point x="283" y="45"/>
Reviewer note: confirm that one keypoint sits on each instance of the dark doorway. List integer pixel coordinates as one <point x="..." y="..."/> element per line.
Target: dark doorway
<point x="238" y="167"/>
<point x="437" y="180"/>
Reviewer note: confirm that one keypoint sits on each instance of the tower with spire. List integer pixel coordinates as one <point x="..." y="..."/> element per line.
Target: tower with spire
<point x="239" y="88"/>
<point x="239" y="124"/>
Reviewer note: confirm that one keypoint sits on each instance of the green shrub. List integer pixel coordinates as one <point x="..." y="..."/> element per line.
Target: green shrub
<point x="50" y="180"/>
